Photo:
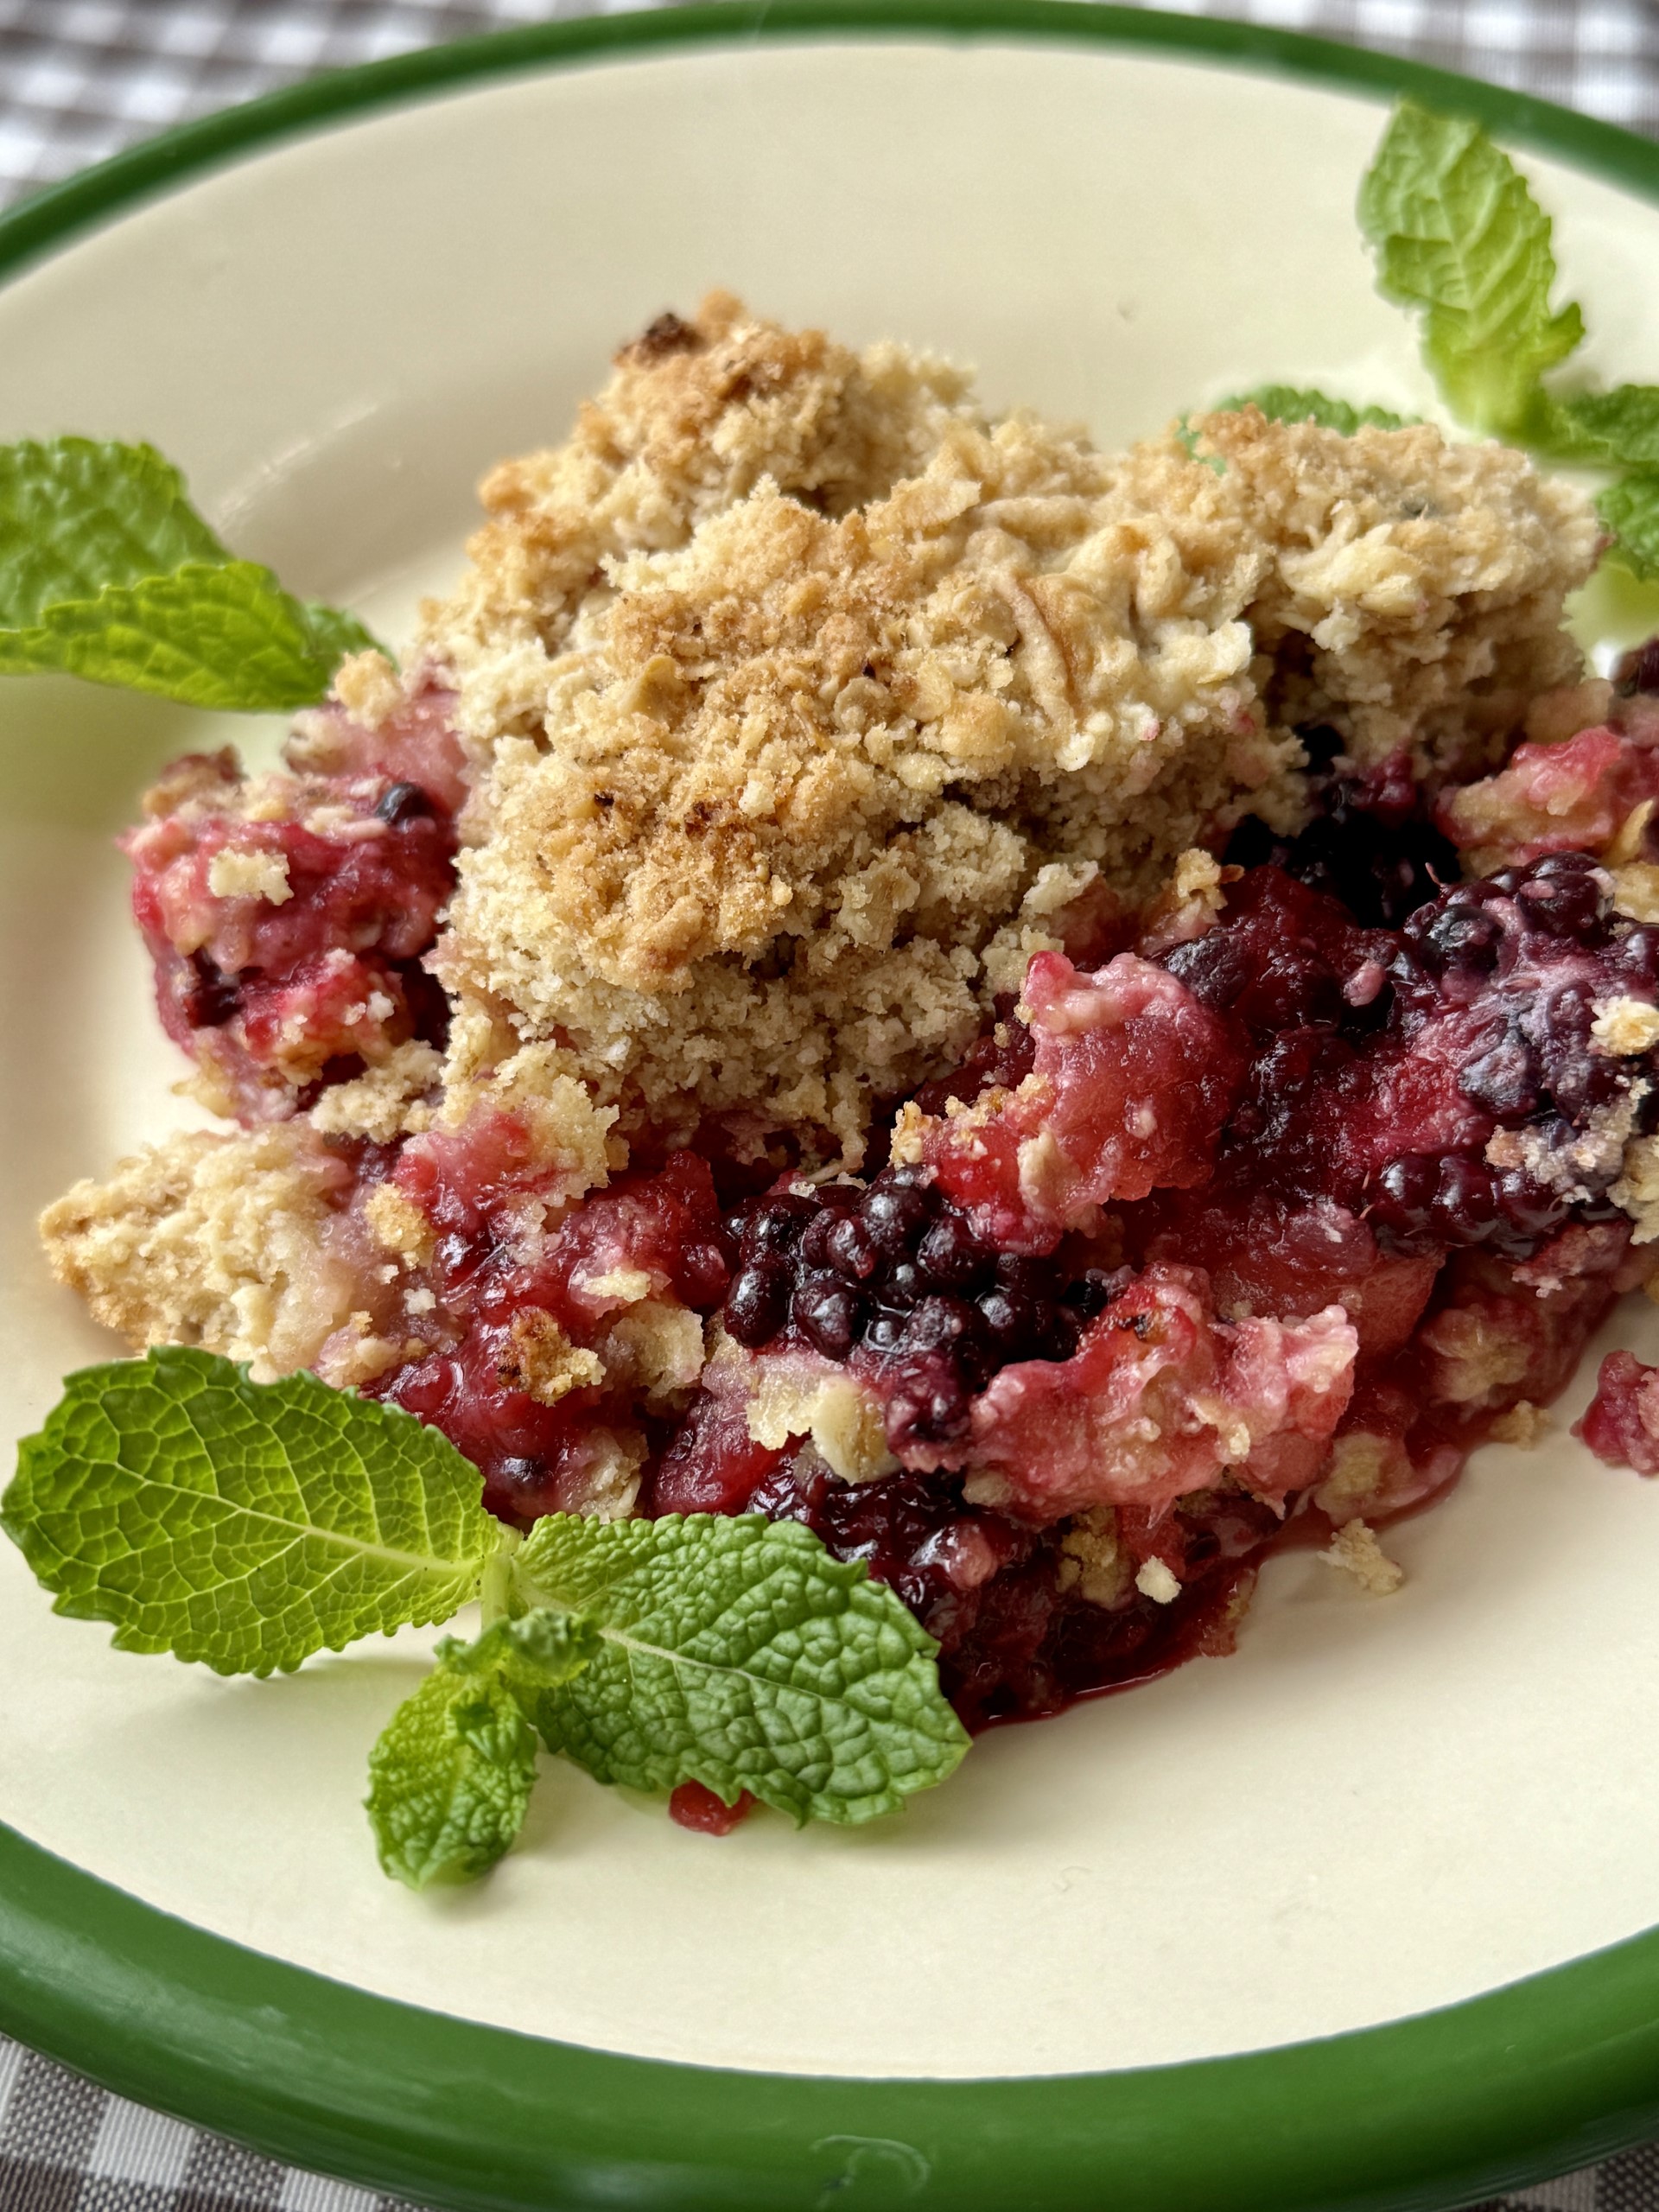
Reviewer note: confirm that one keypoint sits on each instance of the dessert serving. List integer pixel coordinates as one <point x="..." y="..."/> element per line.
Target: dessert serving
<point x="917" y="1041"/>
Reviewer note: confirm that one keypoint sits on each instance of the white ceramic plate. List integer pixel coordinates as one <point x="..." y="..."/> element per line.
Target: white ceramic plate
<point x="1374" y="1809"/>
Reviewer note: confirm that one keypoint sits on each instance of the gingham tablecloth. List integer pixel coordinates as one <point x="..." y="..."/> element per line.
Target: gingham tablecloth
<point x="81" y="79"/>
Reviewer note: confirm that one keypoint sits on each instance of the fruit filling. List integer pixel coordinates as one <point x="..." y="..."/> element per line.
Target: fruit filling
<point x="286" y="914"/>
<point x="1027" y="1010"/>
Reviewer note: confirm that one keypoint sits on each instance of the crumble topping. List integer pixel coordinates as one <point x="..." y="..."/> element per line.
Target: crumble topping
<point x="542" y="1362"/>
<point x="656" y="1350"/>
<point x="1522" y="1425"/>
<point x="1354" y="1549"/>
<point x="388" y="1100"/>
<point x="369" y="687"/>
<point x="249" y="875"/>
<point x="221" y="1242"/>
<point x="789" y="676"/>
<point x="1093" y="1558"/>
<point x="1625" y="1025"/>
<point x="801" y="1395"/>
<point x="1604" y="1148"/>
<point x="398" y="1224"/>
<point x="1636" y="890"/>
<point x="1366" y="1473"/>
<point x="1638" y="1188"/>
<point x="1154" y="1580"/>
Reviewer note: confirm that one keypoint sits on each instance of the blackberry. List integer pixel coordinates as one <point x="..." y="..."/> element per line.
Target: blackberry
<point x="758" y="1301"/>
<point x="773" y="1224"/>
<point x="1567" y="895"/>
<point x="950" y="1254"/>
<point x="897" y="1276"/>
<point x="1637" y="669"/>
<point x="829" y="1313"/>
<point x="1456" y="935"/>
<point x="1524" y="956"/>
<point x="402" y="803"/>
<point x="1492" y="988"/>
<point x="213" y="998"/>
<point x="1508" y="1080"/>
<point x="1371" y="844"/>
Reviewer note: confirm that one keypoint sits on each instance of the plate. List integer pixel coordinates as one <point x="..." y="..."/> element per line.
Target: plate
<point x="1359" y="1914"/>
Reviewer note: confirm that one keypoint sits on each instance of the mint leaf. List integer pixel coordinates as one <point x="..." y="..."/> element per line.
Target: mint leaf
<point x="1459" y="237"/>
<point x="450" y="1779"/>
<point x="1630" y="510"/>
<point x="243" y="1524"/>
<point x="538" y="1650"/>
<point x="331" y="632"/>
<point x="739" y="1654"/>
<point x="1285" y="402"/>
<point x="107" y="572"/>
<point x="1612" y="430"/>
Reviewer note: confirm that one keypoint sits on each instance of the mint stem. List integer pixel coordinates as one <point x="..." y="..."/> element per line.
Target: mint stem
<point x="495" y="1587"/>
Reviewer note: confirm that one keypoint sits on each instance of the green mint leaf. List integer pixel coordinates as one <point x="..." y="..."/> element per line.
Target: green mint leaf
<point x="333" y="633"/>
<point x="1459" y="237"/>
<point x="1609" y="430"/>
<point x="1630" y="510"/>
<point x="450" y="1778"/>
<point x="243" y="1524"/>
<point x="107" y="572"/>
<point x="539" y="1650"/>
<point x="738" y="1652"/>
<point x="1285" y="402"/>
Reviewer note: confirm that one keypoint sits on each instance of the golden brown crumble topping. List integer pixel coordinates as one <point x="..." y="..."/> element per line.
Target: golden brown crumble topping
<point x="222" y="1241"/>
<point x="804" y="697"/>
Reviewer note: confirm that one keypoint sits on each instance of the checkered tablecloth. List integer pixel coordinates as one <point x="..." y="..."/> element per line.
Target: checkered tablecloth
<point x="81" y="79"/>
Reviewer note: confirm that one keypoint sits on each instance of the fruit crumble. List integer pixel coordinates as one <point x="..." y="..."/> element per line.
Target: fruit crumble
<point x="1061" y="1018"/>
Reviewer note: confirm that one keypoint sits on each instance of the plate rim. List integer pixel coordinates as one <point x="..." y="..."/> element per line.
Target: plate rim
<point x="1549" y="2072"/>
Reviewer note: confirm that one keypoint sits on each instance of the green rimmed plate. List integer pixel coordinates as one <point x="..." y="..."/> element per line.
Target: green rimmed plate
<point x="334" y="309"/>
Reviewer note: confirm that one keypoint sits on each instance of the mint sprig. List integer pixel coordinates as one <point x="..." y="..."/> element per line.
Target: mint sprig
<point x="738" y="1652"/>
<point x="107" y="572"/>
<point x="248" y="1525"/>
<point x="1459" y="239"/>
<point x="1285" y="402"/>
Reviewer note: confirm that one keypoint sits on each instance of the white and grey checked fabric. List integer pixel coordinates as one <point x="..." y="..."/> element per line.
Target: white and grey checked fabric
<point x="66" y="2147"/>
<point x="81" y="79"/>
